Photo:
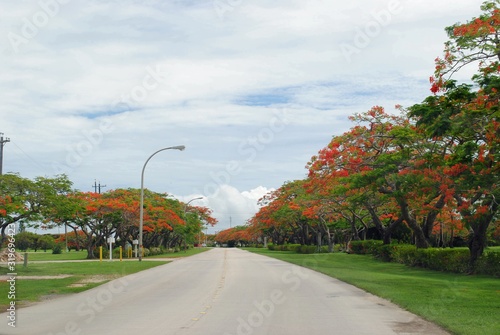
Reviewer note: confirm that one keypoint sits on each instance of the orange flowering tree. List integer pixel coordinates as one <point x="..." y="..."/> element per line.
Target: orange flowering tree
<point x="381" y="165"/>
<point x="263" y="222"/>
<point x="26" y="201"/>
<point x="74" y="239"/>
<point x="234" y="236"/>
<point x="92" y="214"/>
<point x="465" y="118"/>
<point x="476" y="41"/>
<point x="334" y="179"/>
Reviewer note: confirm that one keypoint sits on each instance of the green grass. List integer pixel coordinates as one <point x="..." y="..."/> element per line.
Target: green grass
<point x="35" y="290"/>
<point x="49" y="256"/>
<point x="461" y="304"/>
<point x="182" y="253"/>
<point x="41" y="264"/>
<point x="81" y="255"/>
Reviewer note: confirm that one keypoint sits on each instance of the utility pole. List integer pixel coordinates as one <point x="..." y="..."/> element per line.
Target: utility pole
<point x="2" y="143"/>
<point x="230" y="222"/>
<point x="97" y="187"/>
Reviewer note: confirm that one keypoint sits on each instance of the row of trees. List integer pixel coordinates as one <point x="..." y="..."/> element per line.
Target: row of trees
<point x="94" y="217"/>
<point x="424" y="173"/>
<point x="27" y="240"/>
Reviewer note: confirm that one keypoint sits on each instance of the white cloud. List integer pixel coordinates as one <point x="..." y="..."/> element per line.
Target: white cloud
<point x="231" y="206"/>
<point x="101" y="84"/>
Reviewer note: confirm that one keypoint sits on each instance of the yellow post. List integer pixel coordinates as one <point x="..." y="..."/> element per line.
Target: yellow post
<point x="100" y="254"/>
<point x="120" y="253"/>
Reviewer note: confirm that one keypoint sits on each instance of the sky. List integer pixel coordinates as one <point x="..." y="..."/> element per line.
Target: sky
<point x="252" y="88"/>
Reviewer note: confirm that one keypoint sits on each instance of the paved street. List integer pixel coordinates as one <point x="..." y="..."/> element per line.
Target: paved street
<point x="222" y="291"/>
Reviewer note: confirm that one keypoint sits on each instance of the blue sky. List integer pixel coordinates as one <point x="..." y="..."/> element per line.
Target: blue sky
<point x="253" y="89"/>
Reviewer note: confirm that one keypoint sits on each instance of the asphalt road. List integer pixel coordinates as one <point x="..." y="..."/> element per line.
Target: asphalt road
<point x="222" y="291"/>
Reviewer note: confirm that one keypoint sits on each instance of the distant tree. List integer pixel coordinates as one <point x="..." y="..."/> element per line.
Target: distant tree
<point x="26" y="202"/>
<point x="46" y="242"/>
<point x="25" y="240"/>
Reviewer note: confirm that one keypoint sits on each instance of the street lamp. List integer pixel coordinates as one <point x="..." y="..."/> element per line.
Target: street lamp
<point x="186" y="205"/>
<point x="141" y="215"/>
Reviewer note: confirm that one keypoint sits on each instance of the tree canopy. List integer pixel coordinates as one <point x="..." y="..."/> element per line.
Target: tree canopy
<point x="94" y="217"/>
<point x="427" y="174"/>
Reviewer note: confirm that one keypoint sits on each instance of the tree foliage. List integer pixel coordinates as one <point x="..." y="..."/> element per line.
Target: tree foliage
<point x="430" y="169"/>
<point x="94" y="217"/>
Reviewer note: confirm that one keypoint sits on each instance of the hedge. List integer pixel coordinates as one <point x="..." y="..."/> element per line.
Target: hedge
<point x="440" y="259"/>
<point x="298" y="248"/>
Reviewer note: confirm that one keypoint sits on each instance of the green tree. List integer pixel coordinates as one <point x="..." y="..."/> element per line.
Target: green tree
<point x="26" y="240"/>
<point x="26" y="202"/>
<point x="464" y="118"/>
<point x="45" y="242"/>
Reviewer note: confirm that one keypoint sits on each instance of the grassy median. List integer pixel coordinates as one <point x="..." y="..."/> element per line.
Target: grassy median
<point x="55" y="278"/>
<point x="70" y="272"/>
<point x="459" y="303"/>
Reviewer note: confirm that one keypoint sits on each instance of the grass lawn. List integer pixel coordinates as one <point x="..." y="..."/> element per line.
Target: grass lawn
<point x="182" y="253"/>
<point x="80" y="272"/>
<point x="459" y="303"/>
<point x="82" y="254"/>
<point x="49" y="256"/>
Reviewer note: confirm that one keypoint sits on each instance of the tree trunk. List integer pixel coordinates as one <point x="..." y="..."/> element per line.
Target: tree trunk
<point x="355" y="235"/>
<point x="77" y="238"/>
<point x="385" y="232"/>
<point x="418" y="233"/>
<point x="90" y="245"/>
<point x="386" y="236"/>
<point x="90" y="251"/>
<point x="305" y="234"/>
<point x="318" y="240"/>
<point x="330" y="243"/>
<point x="477" y="242"/>
<point x="432" y="215"/>
<point x="479" y="227"/>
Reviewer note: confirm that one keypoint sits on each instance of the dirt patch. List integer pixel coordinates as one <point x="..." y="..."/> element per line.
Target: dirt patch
<point x="5" y="278"/>
<point x="93" y="280"/>
<point x="4" y="256"/>
<point x="417" y="327"/>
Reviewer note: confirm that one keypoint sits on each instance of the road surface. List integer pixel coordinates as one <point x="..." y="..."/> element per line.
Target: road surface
<point x="222" y="291"/>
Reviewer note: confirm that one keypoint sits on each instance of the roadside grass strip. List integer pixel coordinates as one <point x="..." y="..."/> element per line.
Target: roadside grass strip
<point x="40" y="280"/>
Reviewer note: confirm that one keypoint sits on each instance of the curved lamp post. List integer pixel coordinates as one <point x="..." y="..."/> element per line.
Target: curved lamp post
<point x="141" y="215"/>
<point x="186" y="205"/>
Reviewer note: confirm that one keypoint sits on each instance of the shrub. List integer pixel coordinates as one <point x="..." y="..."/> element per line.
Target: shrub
<point x="116" y="253"/>
<point x="405" y="254"/>
<point x="25" y="240"/>
<point x="284" y="247"/>
<point x="384" y="251"/>
<point x="489" y="264"/>
<point x="57" y="249"/>
<point x="450" y="260"/>
<point x="292" y="247"/>
<point x="306" y="249"/>
<point x="46" y="242"/>
<point x="155" y="251"/>
<point x="364" y="247"/>
<point x="439" y="259"/>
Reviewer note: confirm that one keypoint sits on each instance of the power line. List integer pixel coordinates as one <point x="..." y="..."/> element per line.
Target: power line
<point x="28" y="156"/>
